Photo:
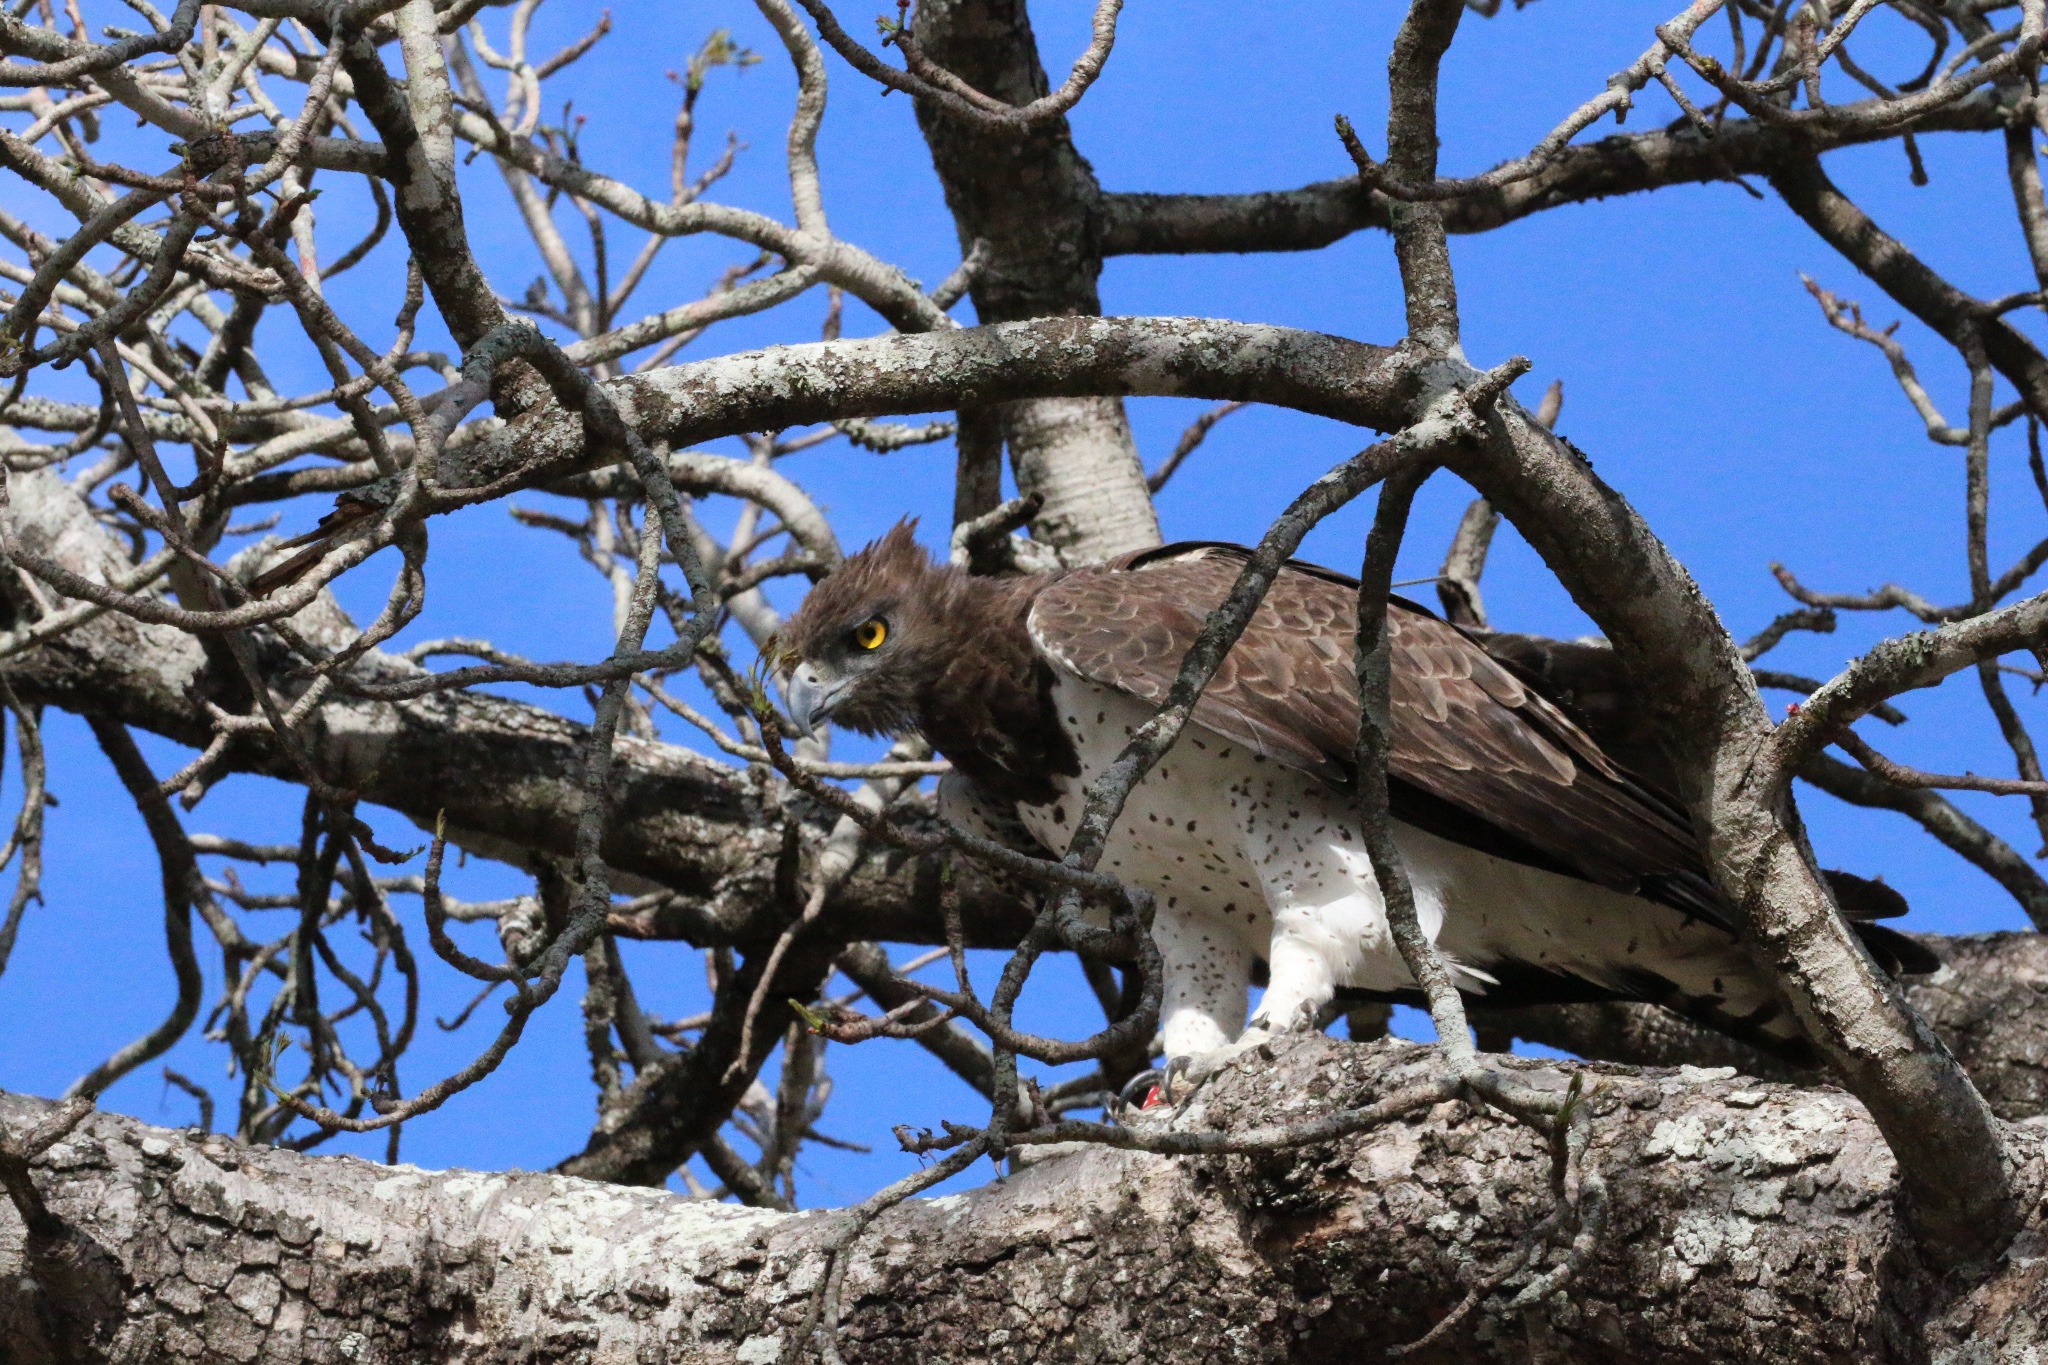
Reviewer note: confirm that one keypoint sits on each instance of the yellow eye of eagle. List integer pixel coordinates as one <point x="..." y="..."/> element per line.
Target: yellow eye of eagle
<point x="870" y="633"/>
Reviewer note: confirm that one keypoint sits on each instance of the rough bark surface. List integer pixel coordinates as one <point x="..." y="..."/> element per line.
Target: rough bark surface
<point x="1991" y="1008"/>
<point x="1751" y="1221"/>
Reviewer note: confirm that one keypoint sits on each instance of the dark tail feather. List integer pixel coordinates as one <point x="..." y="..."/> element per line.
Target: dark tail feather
<point x="289" y="571"/>
<point x="1899" y="954"/>
<point x="317" y="543"/>
<point x="1864" y="898"/>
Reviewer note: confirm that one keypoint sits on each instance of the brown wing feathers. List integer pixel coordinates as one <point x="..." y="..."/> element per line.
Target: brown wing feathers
<point x="1471" y="740"/>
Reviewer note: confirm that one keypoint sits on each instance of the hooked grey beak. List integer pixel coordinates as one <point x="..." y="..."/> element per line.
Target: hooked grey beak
<point x="811" y="696"/>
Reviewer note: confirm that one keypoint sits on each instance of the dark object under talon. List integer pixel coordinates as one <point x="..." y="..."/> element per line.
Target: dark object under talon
<point x="1142" y="1090"/>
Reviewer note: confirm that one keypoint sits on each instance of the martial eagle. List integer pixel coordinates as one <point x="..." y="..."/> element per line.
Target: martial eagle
<point x="1544" y="869"/>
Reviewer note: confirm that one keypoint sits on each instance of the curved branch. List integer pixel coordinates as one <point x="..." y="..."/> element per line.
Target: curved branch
<point x="16" y="36"/>
<point x="1902" y="664"/>
<point x="1732" y="770"/>
<point x="1899" y="773"/>
<point x="927" y="80"/>
<point x="877" y="376"/>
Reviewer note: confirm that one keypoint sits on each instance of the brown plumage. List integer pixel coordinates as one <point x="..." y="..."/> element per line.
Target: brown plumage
<point x="957" y="665"/>
<point x="1466" y="731"/>
<point x="964" y="663"/>
<point x="997" y="675"/>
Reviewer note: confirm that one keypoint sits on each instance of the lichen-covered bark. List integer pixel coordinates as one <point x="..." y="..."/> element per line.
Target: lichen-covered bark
<point x="419" y="162"/>
<point x="1367" y="385"/>
<point x="1751" y="1222"/>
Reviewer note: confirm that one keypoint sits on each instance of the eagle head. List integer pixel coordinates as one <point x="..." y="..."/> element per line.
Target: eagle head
<point x="865" y="638"/>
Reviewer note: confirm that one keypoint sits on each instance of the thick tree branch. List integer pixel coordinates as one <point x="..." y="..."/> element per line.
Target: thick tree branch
<point x="1369" y="386"/>
<point x="419" y="162"/>
<point x="235" y="1252"/>
<point x="1611" y="563"/>
<point x="1986" y="1003"/>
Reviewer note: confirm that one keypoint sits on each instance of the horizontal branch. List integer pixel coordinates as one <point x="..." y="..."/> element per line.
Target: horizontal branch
<point x="225" y="1251"/>
<point x="789" y="386"/>
<point x="1316" y="215"/>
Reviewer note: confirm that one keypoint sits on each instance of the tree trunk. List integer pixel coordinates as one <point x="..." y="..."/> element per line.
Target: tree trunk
<point x="1750" y="1221"/>
<point x="1033" y="199"/>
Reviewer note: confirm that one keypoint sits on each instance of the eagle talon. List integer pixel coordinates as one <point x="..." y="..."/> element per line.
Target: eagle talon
<point x="1186" y="1075"/>
<point x="1141" y="1091"/>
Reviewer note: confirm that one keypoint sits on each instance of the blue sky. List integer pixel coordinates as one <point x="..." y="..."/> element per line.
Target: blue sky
<point x="1698" y="374"/>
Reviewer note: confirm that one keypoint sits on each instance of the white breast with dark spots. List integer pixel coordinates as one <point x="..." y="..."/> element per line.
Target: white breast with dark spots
<point x="1181" y="834"/>
<point x="1224" y="838"/>
<point x="1248" y="857"/>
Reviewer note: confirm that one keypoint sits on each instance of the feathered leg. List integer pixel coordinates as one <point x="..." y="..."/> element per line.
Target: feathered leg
<point x="1207" y="967"/>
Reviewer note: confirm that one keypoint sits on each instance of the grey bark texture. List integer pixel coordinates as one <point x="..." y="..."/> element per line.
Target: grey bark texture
<point x="1752" y="1222"/>
<point x="1991" y="1007"/>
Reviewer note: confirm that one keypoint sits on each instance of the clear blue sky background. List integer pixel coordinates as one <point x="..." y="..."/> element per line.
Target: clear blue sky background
<point x="1698" y="374"/>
